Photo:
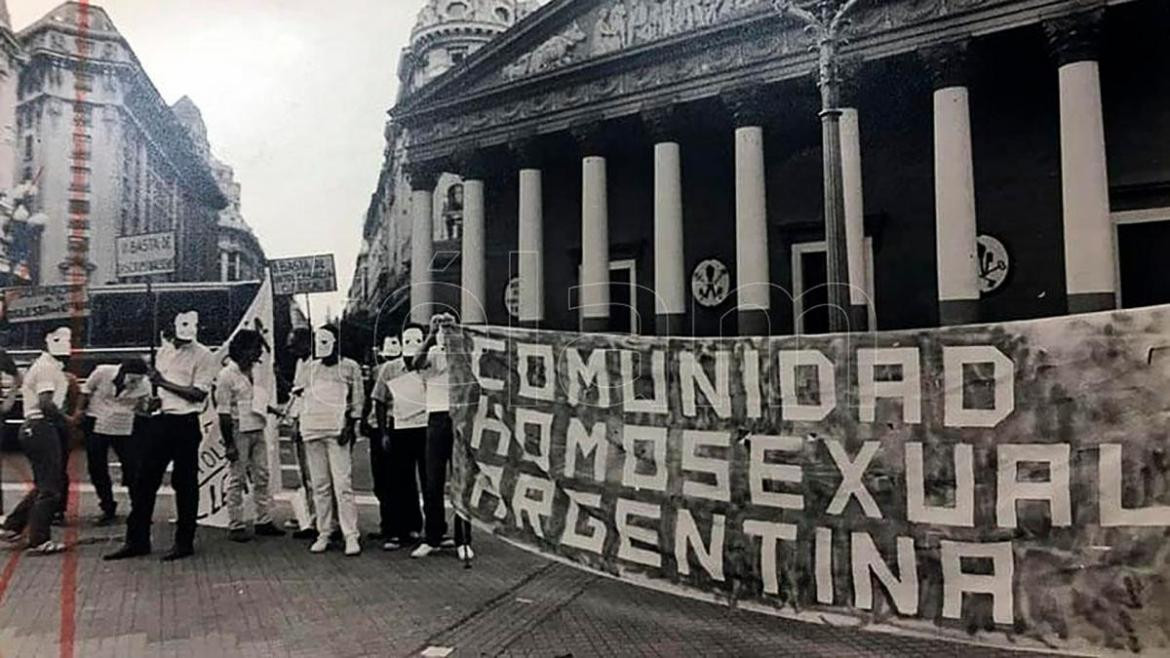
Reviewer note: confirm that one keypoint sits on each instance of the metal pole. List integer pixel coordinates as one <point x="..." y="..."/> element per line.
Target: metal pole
<point x="152" y="299"/>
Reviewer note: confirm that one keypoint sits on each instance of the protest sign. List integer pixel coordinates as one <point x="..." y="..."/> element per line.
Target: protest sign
<point x="214" y="467"/>
<point x="1006" y="484"/>
<point x="306" y="274"/>
<point x="34" y="304"/>
<point x="145" y="255"/>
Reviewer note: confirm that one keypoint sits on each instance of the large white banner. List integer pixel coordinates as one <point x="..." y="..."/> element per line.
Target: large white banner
<point x="214" y="468"/>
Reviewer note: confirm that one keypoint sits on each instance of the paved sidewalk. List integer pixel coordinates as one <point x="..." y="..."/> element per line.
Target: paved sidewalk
<point x="273" y="598"/>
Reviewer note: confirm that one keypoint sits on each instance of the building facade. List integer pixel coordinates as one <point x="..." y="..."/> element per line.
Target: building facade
<point x="11" y="60"/>
<point x="446" y="34"/>
<point x="655" y="165"/>
<point x="107" y="154"/>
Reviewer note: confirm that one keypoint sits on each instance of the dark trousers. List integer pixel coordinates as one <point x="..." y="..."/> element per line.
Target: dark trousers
<point x="97" y="453"/>
<point x="169" y="439"/>
<point x="440" y="441"/>
<point x="383" y="483"/>
<point x="41" y="443"/>
<point x="407" y="448"/>
<point x="63" y="433"/>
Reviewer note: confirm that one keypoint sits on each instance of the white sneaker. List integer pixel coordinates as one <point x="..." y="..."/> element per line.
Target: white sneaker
<point x="447" y="543"/>
<point x="391" y="545"/>
<point x="423" y="550"/>
<point x="465" y="553"/>
<point x="320" y="545"/>
<point x="352" y="547"/>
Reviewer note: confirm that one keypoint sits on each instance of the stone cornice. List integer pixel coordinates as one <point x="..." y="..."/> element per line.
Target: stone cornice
<point x="694" y="66"/>
<point x="1076" y="36"/>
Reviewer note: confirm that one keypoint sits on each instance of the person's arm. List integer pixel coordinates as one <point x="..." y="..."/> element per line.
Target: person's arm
<point x="188" y="393"/>
<point x="82" y="405"/>
<point x="224" y="399"/>
<point x="356" y="396"/>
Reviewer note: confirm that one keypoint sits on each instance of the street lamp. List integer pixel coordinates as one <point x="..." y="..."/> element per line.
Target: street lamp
<point x="826" y="21"/>
<point x="16" y="210"/>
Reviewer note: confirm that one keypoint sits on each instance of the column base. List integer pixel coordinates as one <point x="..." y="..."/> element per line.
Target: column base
<point x="670" y="324"/>
<point x="595" y="325"/>
<point x="1091" y="302"/>
<point x="754" y="322"/>
<point x="958" y="311"/>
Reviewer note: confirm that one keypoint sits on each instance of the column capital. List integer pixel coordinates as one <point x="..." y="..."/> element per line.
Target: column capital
<point x="748" y="104"/>
<point x="849" y="79"/>
<point x="663" y="122"/>
<point x="948" y="64"/>
<point x="528" y="150"/>
<point x="423" y="176"/>
<point x="1076" y="37"/>
<point x="472" y="164"/>
<point x="591" y="137"/>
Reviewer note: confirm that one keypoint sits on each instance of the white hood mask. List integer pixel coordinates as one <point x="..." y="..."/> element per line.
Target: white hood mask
<point x="59" y="342"/>
<point x="187" y="326"/>
<point x="391" y="348"/>
<point x="323" y="343"/>
<point x="412" y="340"/>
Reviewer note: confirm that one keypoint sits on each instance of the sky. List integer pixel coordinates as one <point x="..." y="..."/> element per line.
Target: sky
<point x="294" y="94"/>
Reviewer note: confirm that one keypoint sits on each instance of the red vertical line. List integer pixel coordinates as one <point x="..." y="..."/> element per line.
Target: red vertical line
<point x="13" y="559"/>
<point x="78" y="255"/>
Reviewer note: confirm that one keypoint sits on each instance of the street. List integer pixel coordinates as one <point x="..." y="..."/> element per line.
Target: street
<point x="272" y="598"/>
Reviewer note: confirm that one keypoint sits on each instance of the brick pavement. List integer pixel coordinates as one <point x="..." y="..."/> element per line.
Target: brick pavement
<point x="273" y="598"/>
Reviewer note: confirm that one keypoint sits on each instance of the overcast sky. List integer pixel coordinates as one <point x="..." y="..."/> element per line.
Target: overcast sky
<point x="294" y="94"/>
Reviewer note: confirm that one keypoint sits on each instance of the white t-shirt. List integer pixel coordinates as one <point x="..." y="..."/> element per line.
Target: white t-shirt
<point x="330" y="395"/>
<point x="387" y="371"/>
<point x="237" y="395"/>
<point x="112" y="410"/>
<point x="45" y="375"/>
<point x="437" y="381"/>
<point x="406" y="396"/>
<point x="192" y="365"/>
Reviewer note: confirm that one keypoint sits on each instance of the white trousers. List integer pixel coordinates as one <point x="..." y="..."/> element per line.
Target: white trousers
<point x="330" y="468"/>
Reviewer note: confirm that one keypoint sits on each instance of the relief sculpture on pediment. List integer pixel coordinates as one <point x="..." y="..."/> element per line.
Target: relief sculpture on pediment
<point x="631" y="22"/>
<point x="554" y="53"/>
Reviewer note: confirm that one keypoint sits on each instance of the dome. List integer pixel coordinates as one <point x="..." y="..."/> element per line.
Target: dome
<point x="467" y="17"/>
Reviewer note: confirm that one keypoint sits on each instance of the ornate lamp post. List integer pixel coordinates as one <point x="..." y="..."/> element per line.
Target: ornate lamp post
<point x="826" y="21"/>
<point x="16" y="211"/>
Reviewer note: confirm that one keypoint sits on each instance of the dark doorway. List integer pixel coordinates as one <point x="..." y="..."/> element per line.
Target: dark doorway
<point x="1144" y="254"/>
<point x="814" y="292"/>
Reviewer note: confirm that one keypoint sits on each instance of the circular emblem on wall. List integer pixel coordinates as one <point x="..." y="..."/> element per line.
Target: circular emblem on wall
<point x="994" y="263"/>
<point x="711" y="283"/>
<point x="512" y="297"/>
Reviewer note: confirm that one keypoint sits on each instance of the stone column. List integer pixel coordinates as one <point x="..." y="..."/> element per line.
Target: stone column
<point x="530" y="246"/>
<point x="753" y="279"/>
<point x="859" y="300"/>
<point x="1090" y="277"/>
<point x="669" y="261"/>
<point x="956" y="231"/>
<point x="594" y="289"/>
<point x="473" y="288"/>
<point x="422" y="231"/>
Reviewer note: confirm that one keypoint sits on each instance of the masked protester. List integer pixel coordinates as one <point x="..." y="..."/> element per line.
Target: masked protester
<point x="431" y="363"/>
<point x="111" y="399"/>
<point x="330" y="390"/>
<point x="186" y="371"/>
<point x="243" y="407"/>
<point x="401" y="407"/>
<point x="392" y="366"/>
<point x="44" y="389"/>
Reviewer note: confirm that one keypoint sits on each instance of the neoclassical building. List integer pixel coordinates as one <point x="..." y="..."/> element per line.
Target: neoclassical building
<point x="446" y="33"/>
<point x="656" y="165"/>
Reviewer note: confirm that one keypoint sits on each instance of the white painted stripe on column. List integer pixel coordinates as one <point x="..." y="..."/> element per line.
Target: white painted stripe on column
<point x="751" y="223"/>
<point x="594" y="239"/>
<point x="1088" y="233"/>
<point x="669" y="277"/>
<point x="954" y="196"/>
<point x="530" y="260"/>
<point x="473" y="303"/>
<point x="421" y="253"/>
<point x="854" y="204"/>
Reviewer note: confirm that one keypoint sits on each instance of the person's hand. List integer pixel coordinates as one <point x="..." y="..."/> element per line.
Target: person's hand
<point x="386" y="442"/>
<point x="442" y="320"/>
<point x="153" y="405"/>
<point x="347" y="435"/>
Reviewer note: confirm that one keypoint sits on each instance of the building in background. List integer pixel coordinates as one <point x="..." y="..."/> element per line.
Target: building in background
<point x="11" y="59"/>
<point x="445" y="34"/>
<point x="239" y="254"/>
<point x="109" y="157"/>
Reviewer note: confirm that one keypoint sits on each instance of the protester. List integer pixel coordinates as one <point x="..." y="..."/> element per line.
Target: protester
<point x="392" y="365"/>
<point x="401" y="407"/>
<point x="330" y="390"/>
<point x="431" y="362"/>
<point x="184" y="376"/>
<point x="243" y="406"/>
<point x="43" y="388"/>
<point x="111" y="399"/>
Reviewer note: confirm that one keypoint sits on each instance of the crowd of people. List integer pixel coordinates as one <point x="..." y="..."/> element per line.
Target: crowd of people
<point x="150" y="416"/>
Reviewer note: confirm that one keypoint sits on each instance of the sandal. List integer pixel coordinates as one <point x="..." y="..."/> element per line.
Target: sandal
<point x="48" y="548"/>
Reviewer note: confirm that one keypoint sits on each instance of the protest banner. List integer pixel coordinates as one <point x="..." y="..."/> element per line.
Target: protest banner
<point x="214" y="467"/>
<point x="1004" y="484"/>
<point x="35" y="304"/>
<point x="305" y="274"/>
<point x="145" y="255"/>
